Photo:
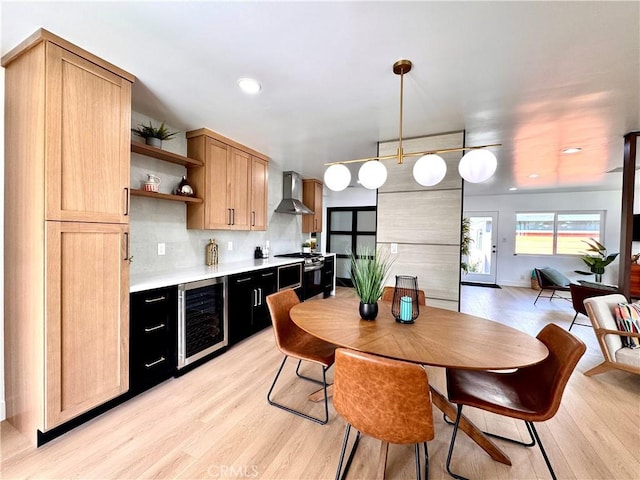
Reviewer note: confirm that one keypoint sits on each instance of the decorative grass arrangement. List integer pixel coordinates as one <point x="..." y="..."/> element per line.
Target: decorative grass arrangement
<point x="369" y="272"/>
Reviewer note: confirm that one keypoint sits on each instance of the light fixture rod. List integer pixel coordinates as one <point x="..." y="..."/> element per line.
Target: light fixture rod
<point x="400" y="68"/>
<point x="415" y="154"/>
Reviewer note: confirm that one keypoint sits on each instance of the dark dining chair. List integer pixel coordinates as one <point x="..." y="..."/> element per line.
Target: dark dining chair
<point x="384" y="399"/>
<point x="294" y="342"/>
<point x="532" y="394"/>
<point x="579" y="293"/>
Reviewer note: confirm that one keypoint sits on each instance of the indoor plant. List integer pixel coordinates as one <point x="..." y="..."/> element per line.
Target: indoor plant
<point x="465" y="244"/>
<point x="153" y="136"/>
<point x="369" y="271"/>
<point x="596" y="258"/>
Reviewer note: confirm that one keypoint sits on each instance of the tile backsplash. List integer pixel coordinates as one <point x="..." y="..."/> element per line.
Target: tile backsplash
<point x="156" y="221"/>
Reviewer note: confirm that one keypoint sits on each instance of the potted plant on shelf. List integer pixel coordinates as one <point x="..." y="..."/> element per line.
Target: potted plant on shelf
<point x="369" y="272"/>
<point x="596" y="258"/>
<point x="153" y="136"/>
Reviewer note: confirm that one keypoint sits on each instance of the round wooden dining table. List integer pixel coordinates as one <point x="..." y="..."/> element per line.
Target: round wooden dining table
<point x="438" y="337"/>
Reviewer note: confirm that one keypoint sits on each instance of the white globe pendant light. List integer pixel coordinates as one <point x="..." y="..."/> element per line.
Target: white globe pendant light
<point x="477" y="166"/>
<point x="372" y="174"/>
<point x="337" y="177"/>
<point x="429" y="170"/>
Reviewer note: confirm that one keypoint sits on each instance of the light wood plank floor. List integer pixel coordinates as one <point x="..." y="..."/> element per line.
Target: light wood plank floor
<point x="214" y="422"/>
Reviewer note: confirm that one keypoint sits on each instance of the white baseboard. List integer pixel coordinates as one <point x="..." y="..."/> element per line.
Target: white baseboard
<point x="515" y="284"/>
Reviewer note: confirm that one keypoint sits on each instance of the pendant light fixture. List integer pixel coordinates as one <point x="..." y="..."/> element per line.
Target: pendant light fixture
<point x="477" y="165"/>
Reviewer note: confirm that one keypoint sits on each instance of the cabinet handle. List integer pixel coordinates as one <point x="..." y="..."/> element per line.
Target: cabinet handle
<point x="255" y="297"/>
<point x="149" y="365"/>
<point x="153" y="300"/>
<point x="270" y="274"/>
<point x="151" y="329"/>
<point x="260" y="296"/>
<point x="233" y="216"/>
<point x="242" y="280"/>
<point x="253" y="217"/>
<point x="126" y="201"/>
<point x="229" y="221"/>
<point x="126" y="246"/>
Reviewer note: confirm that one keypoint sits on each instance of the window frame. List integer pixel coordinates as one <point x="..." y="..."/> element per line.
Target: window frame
<point x="556" y="213"/>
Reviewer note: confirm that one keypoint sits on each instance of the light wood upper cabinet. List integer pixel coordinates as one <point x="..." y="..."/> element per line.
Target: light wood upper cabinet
<point x="87" y="334"/>
<point x="88" y="126"/>
<point x="259" y="192"/>
<point x="233" y="184"/>
<point x="312" y="198"/>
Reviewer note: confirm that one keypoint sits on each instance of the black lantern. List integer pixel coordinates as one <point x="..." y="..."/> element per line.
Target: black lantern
<point x="405" y="307"/>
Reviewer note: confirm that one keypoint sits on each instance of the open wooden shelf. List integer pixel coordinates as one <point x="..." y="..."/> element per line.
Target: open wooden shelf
<point x="149" y="151"/>
<point x="164" y="196"/>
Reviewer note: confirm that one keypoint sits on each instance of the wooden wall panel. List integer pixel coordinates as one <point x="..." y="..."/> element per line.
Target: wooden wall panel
<point x="425" y="222"/>
<point x="420" y="217"/>
<point x="432" y="265"/>
<point x="400" y="177"/>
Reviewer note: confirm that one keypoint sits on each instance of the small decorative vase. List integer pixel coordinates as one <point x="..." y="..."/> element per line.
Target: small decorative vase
<point x="368" y="311"/>
<point x="153" y="141"/>
<point x="598" y="277"/>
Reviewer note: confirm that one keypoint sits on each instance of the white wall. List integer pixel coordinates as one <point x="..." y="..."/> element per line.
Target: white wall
<point x="515" y="270"/>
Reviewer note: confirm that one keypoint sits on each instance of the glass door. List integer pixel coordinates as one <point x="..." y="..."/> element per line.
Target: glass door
<point x="349" y="229"/>
<point x="481" y="261"/>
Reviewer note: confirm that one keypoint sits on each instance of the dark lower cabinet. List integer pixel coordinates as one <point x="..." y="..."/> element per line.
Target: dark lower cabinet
<point x="327" y="275"/>
<point x="248" y="311"/>
<point x="153" y="338"/>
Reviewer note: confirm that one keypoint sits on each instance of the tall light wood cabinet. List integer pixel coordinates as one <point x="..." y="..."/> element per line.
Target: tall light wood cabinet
<point x="312" y="198"/>
<point x="67" y="141"/>
<point x="259" y="193"/>
<point x="233" y="184"/>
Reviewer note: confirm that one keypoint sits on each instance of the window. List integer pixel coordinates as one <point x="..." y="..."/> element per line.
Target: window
<point x="349" y="229"/>
<point x="556" y="233"/>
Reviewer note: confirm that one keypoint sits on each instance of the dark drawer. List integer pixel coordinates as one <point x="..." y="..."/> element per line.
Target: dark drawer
<point x="153" y="337"/>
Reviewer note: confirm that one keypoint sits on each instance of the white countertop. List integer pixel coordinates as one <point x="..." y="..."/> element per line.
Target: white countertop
<point x="149" y="281"/>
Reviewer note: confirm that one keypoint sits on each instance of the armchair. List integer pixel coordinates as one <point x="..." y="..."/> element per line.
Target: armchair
<point x="601" y="312"/>
<point x="551" y="279"/>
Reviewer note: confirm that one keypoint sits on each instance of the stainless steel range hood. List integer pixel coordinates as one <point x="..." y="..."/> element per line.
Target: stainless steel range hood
<point x="292" y="195"/>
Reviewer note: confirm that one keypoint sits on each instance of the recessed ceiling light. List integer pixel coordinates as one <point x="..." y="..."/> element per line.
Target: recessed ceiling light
<point x="249" y="85"/>
<point x="513" y="189"/>
<point x="571" y="150"/>
<point x="534" y="175"/>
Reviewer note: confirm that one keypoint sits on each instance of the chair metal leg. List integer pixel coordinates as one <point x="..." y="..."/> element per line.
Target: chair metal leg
<point x="319" y="382"/>
<point x="321" y="421"/>
<point x="426" y="461"/>
<point x="536" y="438"/>
<point x="530" y="443"/>
<point x="530" y="428"/>
<point x="573" y="321"/>
<point x="453" y="441"/>
<point x="343" y="451"/>
<point x="539" y="293"/>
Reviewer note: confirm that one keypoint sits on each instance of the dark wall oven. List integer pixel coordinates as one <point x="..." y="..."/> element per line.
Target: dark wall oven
<point x="202" y="319"/>
<point x="312" y="283"/>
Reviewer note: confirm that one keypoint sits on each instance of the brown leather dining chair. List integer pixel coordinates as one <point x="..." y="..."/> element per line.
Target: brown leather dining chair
<point x="387" y="295"/>
<point x="385" y="399"/>
<point x="294" y="342"/>
<point x="532" y="394"/>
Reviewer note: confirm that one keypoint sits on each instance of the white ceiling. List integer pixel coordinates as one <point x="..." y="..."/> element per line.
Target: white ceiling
<point x="536" y="77"/>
